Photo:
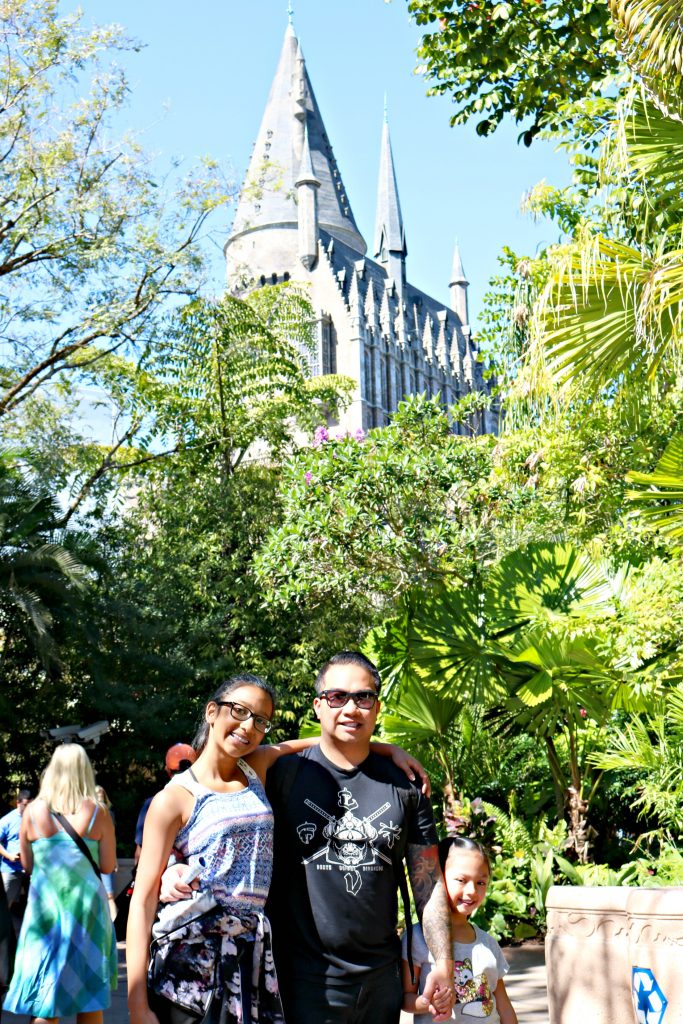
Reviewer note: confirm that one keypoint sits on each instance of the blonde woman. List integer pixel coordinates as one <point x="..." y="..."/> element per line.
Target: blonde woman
<point x="66" y="956"/>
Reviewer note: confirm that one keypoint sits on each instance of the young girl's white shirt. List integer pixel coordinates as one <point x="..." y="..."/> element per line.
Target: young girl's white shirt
<point x="479" y="966"/>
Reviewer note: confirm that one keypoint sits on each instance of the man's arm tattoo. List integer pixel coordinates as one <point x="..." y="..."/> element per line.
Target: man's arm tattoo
<point x="431" y="900"/>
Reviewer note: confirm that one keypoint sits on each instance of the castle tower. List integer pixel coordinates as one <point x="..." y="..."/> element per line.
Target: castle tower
<point x="390" y="247"/>
<point x="457" y="288"/>
<point x="294" y="222"/>
<point x="307" y="186"/>
<point x="264" y="236"/>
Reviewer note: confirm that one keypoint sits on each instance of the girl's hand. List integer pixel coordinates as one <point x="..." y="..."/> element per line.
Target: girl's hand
<point x="408" y="764"/>
<point x="172" y="886"/>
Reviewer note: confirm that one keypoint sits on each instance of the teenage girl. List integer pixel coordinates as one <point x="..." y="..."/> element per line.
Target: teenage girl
<point x="216" y="819"/>
<point x="479" y="962"/>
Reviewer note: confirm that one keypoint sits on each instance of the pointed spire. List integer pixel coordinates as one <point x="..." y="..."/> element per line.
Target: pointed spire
<point x="307" y="186"/>
<point x="290" y="14"/>
<point x="457" y="271"/>
<point x="458" y="286"/>
<point x="389" y="234"/>
<point x="441" y="350"/>
<point x="306" y="175"/>
<point x="267" y="199"/>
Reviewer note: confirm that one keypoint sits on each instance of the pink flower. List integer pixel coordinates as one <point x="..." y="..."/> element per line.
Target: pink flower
<point x="360" y="434"/>
<point x="321" y="435"/>
<point x="583" y="712"/>
<point x="308" y="477"/>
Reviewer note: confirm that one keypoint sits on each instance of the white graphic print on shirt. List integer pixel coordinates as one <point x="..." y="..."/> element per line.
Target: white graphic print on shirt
<point x="350" y="839"/>
<point x="473" y="993"/>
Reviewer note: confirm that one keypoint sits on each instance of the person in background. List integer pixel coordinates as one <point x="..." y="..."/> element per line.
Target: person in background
<point x="479" y="965"/>
<point x="66" y="955"/>
<point x="108" y="878"/>
<point x="14" y="880"/>
<point x="179" y="758"/>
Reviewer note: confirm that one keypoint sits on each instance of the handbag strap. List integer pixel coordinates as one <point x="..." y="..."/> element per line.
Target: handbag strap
<point x="79" y="841"/>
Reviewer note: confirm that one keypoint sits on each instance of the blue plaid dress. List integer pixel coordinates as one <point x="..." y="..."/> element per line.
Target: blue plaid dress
<point x="66" y="956"/>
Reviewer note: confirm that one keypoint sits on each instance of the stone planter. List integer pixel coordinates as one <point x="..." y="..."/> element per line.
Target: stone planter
<point x="614" y="955"/>
<point x="655" y="946"/>
<point x="587" y="956"/>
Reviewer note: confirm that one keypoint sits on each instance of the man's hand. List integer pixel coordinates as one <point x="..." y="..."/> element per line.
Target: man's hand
<point x="439" y="992"/>
<point x="172" y="886"/>
<point x="16" y="857"/>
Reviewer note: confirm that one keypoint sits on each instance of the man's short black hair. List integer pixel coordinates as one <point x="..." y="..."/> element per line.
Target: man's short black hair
<point x="24" y="794"/>
<point x="348" y="658"/>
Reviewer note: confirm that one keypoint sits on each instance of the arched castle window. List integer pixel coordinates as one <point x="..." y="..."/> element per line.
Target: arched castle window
<point x="328" y="346"/>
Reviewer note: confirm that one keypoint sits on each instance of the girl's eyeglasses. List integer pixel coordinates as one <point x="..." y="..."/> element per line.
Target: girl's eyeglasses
<point x="242" y="714"/>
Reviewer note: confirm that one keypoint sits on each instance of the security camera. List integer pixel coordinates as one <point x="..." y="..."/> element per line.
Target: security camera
<point x="64" y="733"/>
<point x="92" y="733"/>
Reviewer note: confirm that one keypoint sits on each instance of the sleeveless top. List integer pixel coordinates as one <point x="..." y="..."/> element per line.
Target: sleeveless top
<point x="233" y="832"/>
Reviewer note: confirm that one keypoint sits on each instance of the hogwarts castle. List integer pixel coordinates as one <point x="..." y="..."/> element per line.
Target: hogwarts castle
<point x="294" y="222"/>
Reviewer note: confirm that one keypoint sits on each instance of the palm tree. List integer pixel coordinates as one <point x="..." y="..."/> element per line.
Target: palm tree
<point x="612" y="309"/>
<point x="524" y="646"/>
<point x="38" y="576"/>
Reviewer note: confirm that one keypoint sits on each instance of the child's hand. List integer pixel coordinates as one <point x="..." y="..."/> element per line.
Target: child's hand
<point x="438" y="991"/>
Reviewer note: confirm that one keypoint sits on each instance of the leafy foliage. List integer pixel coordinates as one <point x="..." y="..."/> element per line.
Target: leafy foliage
<point x="660" y="502"/>
<point x="526" y="60"/>
<point x="39" y="578"/>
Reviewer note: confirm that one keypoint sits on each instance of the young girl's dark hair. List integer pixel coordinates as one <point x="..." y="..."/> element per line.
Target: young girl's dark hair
<point x="460" y="843"/>
<point x="233" y="683"/>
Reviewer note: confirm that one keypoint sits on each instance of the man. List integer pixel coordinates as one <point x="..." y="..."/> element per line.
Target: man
<point x="13" y="877"/>
<point x="344" y="820"/>
<point x="178" y="758"/>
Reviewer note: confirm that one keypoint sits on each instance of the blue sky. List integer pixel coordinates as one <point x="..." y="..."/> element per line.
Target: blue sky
<point x="200" y="84"/>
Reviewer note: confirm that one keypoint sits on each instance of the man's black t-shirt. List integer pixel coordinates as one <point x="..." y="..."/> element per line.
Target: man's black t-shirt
<point x="340" y="836"/>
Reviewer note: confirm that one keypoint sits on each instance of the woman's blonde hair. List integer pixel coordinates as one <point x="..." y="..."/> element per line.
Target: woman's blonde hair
<point x="102" y="798"/>
<point x="68" y="779"/>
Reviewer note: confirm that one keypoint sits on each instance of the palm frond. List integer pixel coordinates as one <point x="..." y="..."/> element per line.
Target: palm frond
<point x="661" y="502"/>
<point x="650" y="34"/>
<point x="609" y="309"/>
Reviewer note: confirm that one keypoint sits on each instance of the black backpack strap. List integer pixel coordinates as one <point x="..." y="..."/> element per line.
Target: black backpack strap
<point x="78" y="840"/>
<point x="407" y="914"/>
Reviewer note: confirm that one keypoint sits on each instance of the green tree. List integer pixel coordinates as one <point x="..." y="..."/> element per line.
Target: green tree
<point x="531" y="643"/>
<point x="91" y="251"/>
<point x="39" y="577"/>
<point x="528" y="59"/>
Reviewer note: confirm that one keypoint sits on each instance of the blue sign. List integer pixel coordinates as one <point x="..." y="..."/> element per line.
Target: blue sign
<point x="649" y="1001"/>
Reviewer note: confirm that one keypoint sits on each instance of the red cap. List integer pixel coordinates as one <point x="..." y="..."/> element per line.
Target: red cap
<point x="177" y="753"/>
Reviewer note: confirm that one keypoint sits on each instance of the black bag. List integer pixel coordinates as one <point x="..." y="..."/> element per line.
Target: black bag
<point x="122" y="902"/>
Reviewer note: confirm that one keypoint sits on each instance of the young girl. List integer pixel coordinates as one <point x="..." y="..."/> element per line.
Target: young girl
<point x="479" y="963"/>
<point x="212" y="951"/>
<point x="66" y="957"/>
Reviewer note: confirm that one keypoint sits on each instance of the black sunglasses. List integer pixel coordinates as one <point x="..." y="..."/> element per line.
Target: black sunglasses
<point x="364" y="699"/>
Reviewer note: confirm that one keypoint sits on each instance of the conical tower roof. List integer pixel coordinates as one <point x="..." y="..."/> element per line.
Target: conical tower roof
<point x="388" y="220"/>
<point x="457" y="270"/>
<point x="268" y="197"/>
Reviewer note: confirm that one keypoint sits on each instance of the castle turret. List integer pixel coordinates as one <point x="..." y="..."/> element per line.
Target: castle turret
<point x="458" y="286"/>
<point x="264" y="234"/>
<point x="390" y="247"/>
<point x="307" y="186"/>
